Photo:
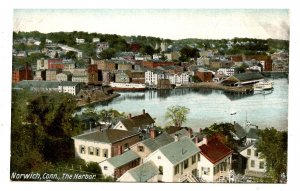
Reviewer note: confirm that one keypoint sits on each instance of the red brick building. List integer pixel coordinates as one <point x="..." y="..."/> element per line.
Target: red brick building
<point x="21" y="73"/>
<point x="93" y="74"/>
<point x="55" y="64"/>
<point x="265" y="61"/>
<point x="154" y="64"/>
<point x="236" y="58"/>
<point x="204" y="75"/>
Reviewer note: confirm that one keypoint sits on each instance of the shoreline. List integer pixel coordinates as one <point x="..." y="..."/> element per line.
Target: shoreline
<point x="107" y="98"/>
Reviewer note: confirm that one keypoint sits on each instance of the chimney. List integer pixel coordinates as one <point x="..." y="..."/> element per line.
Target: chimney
<point x="129" y="116"/>
<point x="196" y="140"/>
<point x="200" y="129"/>
<point x="119" y="150"/>
<point x="144" y="111"/>
<point x="176" y="138"/>
<point x="205" y="140"/>
<point x="190" y="132"/>
<point x="152" y="133"/>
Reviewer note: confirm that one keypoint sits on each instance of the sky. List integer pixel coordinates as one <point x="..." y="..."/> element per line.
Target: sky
<point x="164" y="23"/>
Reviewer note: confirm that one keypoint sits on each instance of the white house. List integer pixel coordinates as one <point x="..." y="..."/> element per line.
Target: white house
<point x="80" y="40"/>
<point x="215" y="161"/>
<point x="152" y="76"/>
<point x="69" y="87"/>
<point x="176" y="161"/>
<point x="96" y="40"/>
<point x="255" y="166"/>
<point x="98" y="146"/>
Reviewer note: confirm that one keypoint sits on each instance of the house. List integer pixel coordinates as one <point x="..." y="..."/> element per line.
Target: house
<point x="101" y="46"/>
<point x="204" y="75"/>
<point x="69" y="87"/>
<point x="105" y="65"/>
<point x="80" y="40"/>
<point x="144" y="148"/>
<point x="102" y="144"/>
<point x="176" y="161"/>
<point x="215" y="160"/>
<point x="179" y="78"/>
<point x="136" y="123"/>
<point x="136" y="76"/>
<point x="172" y="56"/>
<point x="95" y="40"/>
<point x="255" y="164"/>
<point x="118" y="165"/>
<point x="40" y="75"/>
<point x="147" y="172"/>
<point x="243" y="79"/>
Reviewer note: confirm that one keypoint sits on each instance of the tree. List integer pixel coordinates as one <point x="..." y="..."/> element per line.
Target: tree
<point x="147" y="49"/>
<point x="187" y="53"/>
<point x="272" y="144"/>
<point x="223" y="131"/>
<point x="177" y="114"/>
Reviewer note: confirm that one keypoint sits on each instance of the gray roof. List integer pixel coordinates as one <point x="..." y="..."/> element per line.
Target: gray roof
<point x="123" y="159"/>
<point x="180" y="150"/>
<point x="144" y="172"/>
<point x="135" y="122"/>
<point x="106" y="135"/>
<point x="248" y="76"/>
<point x="37" y="84"/>
<point x="181" y="133"/>
<point x="239" y="131"/>
<point x="159" y="141"/>
<point x="252" y="133"/>
<point x="68" y="83"/>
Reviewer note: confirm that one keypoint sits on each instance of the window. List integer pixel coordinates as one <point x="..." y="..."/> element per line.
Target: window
<point x="105" y="167"/>
<point x="261" y="165"/>
<point x="199" y="157"/>
<point x="141" y="148"/>
<point x="194" y="159"/>
<point x="82" y="149"/>
<point x="158" y="157"/>
<point x="97" y="150"/>
<point x="252" y="163"/>
<point x="249" y="152"/>
<point x="176" y="170"/>
<point x="91" y="150"/>
<point x="186" y="163"/>
<point x="161" y="170"/>
<point x="126" y="145"/>
<point x="205" y="171"/>
<point x="105" y="153"/>
<point x="256" y="153"/>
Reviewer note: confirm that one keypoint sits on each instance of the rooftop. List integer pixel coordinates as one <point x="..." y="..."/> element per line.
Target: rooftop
<point x="180" y="150"/>
<point x="157" y="142"/>
<point x="248" y="76"/>
<point x="106" y="135"/>
<point x="138" y="121"/>
<point x="214" y="150"/>
<point x="144" y="172"/>
<point x="123" y="159"/>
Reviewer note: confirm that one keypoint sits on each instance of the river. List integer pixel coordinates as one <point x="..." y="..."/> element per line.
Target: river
<point x="209" y="106"/>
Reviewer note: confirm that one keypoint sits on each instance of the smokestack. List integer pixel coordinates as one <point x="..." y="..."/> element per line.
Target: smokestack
<point x="144" y="111"/>
<point x="129" y="116"/>
<point x="152" y="133"/>
<point x="196" y="140"/>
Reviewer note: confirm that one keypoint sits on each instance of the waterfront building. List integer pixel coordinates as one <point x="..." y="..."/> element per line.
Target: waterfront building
<point x="243" y="79"/>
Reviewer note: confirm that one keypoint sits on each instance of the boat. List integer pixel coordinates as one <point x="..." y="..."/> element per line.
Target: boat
<point x="263" y="85"/>
<point x="127" y="86"/>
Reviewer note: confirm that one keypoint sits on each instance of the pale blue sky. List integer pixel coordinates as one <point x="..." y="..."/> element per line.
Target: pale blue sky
<point x="164" y="23"/>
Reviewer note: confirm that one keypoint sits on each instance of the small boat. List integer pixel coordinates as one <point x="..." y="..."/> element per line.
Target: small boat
<point x="233" y="113"/>
<point x="263" y="85"/>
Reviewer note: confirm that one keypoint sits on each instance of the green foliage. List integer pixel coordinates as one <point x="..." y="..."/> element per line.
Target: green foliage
<point x="177" y="115"/>
<point x="147" y="49"/>
<point x="187" y="53"/>
<point x="42" y="124"/>
<point x="108" y="53"/>
<point x="222" y="129"/>
<point x="272" y="144"/>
